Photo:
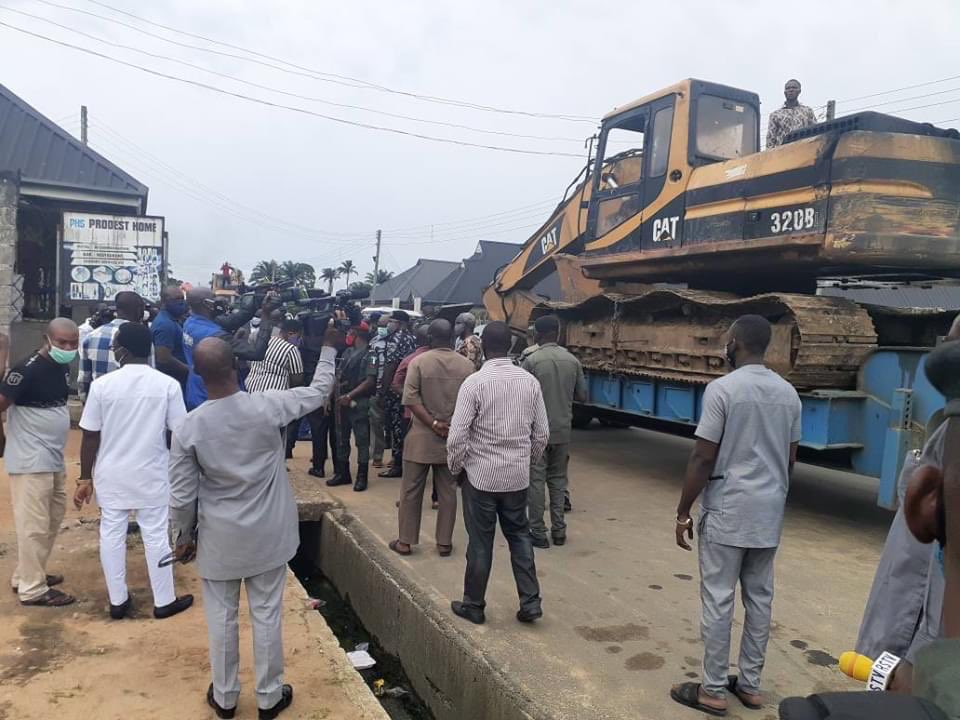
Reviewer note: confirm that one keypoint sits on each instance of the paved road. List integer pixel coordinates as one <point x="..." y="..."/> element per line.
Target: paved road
<point x="621" y="600"/>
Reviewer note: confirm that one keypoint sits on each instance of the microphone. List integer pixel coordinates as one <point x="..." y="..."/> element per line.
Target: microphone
<point x="875" y="673"/>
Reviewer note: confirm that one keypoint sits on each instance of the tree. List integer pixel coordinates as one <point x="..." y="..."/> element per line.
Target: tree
<point x="301" y="274"/>
<point x="266" y="271"/>
<point x="347" y="268"/>
<point x="329" y="274"/>
<point x="361" y="287"/>
<point x="382" y="277"/>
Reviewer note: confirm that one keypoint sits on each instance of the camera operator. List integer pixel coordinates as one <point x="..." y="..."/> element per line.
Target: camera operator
<point x="208" y="319"/>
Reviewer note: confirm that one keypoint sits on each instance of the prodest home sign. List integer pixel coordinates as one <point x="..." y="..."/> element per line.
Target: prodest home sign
<point x="107" y="254"/>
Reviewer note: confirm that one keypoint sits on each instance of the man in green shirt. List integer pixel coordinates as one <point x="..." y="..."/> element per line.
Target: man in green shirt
<point x="561" y="382"/>
<point x="356" y="383"/>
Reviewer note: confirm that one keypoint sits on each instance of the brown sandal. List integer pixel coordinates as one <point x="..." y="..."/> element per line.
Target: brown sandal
<point x="51" y="598"/>
<point x="395" y="546"/>
<point x="444" y="550"/>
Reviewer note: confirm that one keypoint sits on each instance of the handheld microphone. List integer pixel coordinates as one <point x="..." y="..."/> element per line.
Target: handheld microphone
<point x="875" y="673"/>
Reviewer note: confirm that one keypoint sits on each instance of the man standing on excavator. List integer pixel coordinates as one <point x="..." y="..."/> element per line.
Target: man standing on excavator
<point x="792" y="116"/>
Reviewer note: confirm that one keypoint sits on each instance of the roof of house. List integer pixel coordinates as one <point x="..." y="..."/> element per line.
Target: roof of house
<point x="466" y="283"/>
<point x="47" y="155"/>
<point x="414" y="282"/>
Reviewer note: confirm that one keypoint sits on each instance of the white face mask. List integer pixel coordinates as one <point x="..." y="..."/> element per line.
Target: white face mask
<point x="255" y="322"/>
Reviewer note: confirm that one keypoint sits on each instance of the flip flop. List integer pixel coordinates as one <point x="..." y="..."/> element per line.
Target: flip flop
<point x="733" y="686"/>
<point x="395" y="546"/>
<point x="51" y="598"/>
<point x="688" y="694"/>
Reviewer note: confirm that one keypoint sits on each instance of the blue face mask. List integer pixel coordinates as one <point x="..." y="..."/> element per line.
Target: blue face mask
<point x="382" y="332"/>
<point x="176" y="308"/>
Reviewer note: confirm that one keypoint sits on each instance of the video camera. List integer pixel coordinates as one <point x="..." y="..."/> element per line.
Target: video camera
<point x="319" y="307"/>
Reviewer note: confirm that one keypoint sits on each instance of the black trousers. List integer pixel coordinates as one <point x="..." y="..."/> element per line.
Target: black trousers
<point x="321" y="433"/>
<point x="481" y="510"/>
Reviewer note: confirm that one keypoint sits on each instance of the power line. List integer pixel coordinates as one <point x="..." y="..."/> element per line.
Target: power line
<point x="298" y="96"/>
<point x="896" y="90"/>
<point x="453" y="225"/>
<point x="307" y="72"/>
<point x="243" y="207"/>
<point x="281" y="106"/>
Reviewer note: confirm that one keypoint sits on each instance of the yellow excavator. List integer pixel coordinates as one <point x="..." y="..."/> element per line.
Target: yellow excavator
<point x="680" y="224"/>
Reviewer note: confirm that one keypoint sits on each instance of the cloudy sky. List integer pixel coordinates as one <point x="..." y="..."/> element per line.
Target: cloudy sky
<point x="242" y="181"/>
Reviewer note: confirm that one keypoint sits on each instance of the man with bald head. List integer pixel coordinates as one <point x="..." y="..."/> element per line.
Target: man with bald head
<point x="96" y="355"/>
<point x="207" y="320"/>
<point x="229" y="487"/>
<point x="34" y="394"/>
<point x="167" y="333"/>
<point x="430" y="392"/>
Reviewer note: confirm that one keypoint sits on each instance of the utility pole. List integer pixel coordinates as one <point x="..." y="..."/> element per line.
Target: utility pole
<point x="83" y="124"/>
<point x="831" y="109"/>
<point x="376" y="267"/>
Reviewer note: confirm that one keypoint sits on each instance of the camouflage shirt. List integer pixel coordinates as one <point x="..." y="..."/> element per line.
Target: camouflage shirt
<point x="787" y="119"/>
<point x="471" y="349"/>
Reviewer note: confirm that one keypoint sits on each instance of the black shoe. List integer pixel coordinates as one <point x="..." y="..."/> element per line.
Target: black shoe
<point x="177" y="606"/>
<point x="285" y="701"/>
<point x="119" y="612"/>
<point x="468" y="613"/>
<point x="220" y="711"/>
<point x="391" y="472"/>
<point x="361" y="484"/>
<point x="539" y="542"/>
<point x="559" y="539"/>
<point x="567" y="507"/>
<point x="341" y="476"/>
<point x="528" y="616"/>
<point x="317" y="471"/>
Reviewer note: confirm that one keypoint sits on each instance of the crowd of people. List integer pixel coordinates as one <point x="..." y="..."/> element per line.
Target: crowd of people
<point x="190" y="416"/>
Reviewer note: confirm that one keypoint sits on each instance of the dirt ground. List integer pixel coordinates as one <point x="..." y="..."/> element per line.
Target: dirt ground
<point x="72" y="663"/>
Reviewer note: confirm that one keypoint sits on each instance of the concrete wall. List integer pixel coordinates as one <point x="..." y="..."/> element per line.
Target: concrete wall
<point x="11" y="297"/>
<point x="448" y="670"/>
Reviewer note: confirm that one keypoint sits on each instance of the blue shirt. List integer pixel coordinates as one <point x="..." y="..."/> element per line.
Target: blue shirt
<point x="195" y="329"/>
<point x="168" y="333"/>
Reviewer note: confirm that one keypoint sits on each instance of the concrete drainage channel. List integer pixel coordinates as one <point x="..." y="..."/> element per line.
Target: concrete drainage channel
<point x="367" y="600"/>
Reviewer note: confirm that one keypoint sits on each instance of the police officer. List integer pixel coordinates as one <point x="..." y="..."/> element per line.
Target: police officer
<point x="356" y="382"/>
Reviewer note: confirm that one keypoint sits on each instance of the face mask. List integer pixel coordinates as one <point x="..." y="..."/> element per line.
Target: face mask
<point x="382" y="332"/>
<point x="294" y="340"/>
<point x="58" y="355"/>
<point x="176" y="308"/>
<point x="349" y="340"/>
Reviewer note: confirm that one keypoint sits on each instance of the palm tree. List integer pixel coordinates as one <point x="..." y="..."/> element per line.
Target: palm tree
<point x="301" y="274"/>
<point x="348" y="268"/>
<point x="382" y="277"/>
<point x="265" y="270"/>
<point x="329" y="274"/>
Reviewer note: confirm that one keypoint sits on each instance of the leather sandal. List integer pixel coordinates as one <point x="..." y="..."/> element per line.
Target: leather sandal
<point x="395" y="546"/>
<point x="445" y="550"/>
<point x="51" y="581"/>
<point x="51" y="598"/>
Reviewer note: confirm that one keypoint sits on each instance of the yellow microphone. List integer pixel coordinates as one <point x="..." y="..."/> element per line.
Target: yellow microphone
<point x="875" y="673"/>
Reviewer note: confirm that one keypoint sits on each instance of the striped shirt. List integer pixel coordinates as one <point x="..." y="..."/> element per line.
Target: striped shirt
<point x="273" y="372"/>
<point x="499" y="425"/>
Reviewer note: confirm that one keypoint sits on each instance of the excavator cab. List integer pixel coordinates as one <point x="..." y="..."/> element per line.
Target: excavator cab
<point x="646" y="152"/>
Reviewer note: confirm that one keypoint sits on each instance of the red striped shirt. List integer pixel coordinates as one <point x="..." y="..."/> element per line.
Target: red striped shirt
<point x="500" y="422"/>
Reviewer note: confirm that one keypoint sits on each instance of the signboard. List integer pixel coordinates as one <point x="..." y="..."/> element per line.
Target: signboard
<point x="107" y="254"/>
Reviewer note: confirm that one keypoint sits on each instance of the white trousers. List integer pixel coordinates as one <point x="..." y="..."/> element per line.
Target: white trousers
<point x="221" y="603"/>
<point x="154" y="531"/>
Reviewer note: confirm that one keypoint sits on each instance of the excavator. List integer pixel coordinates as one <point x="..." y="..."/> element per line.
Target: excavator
<point x="680" y="224"/>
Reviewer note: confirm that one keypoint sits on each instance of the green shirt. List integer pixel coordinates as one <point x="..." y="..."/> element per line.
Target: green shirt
<point x="355" y="367"/>
<point x="560" y="375"/>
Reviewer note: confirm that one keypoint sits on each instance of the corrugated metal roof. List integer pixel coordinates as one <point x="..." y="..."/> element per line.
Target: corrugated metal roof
<point x="946" y="297"/>
<point x="45" y="153"/>
<point x="467" y="282"/>
<point x="413" y="282"/>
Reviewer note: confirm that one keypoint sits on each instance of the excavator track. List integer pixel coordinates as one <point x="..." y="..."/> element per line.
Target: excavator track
<point x="678" y="335"/>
